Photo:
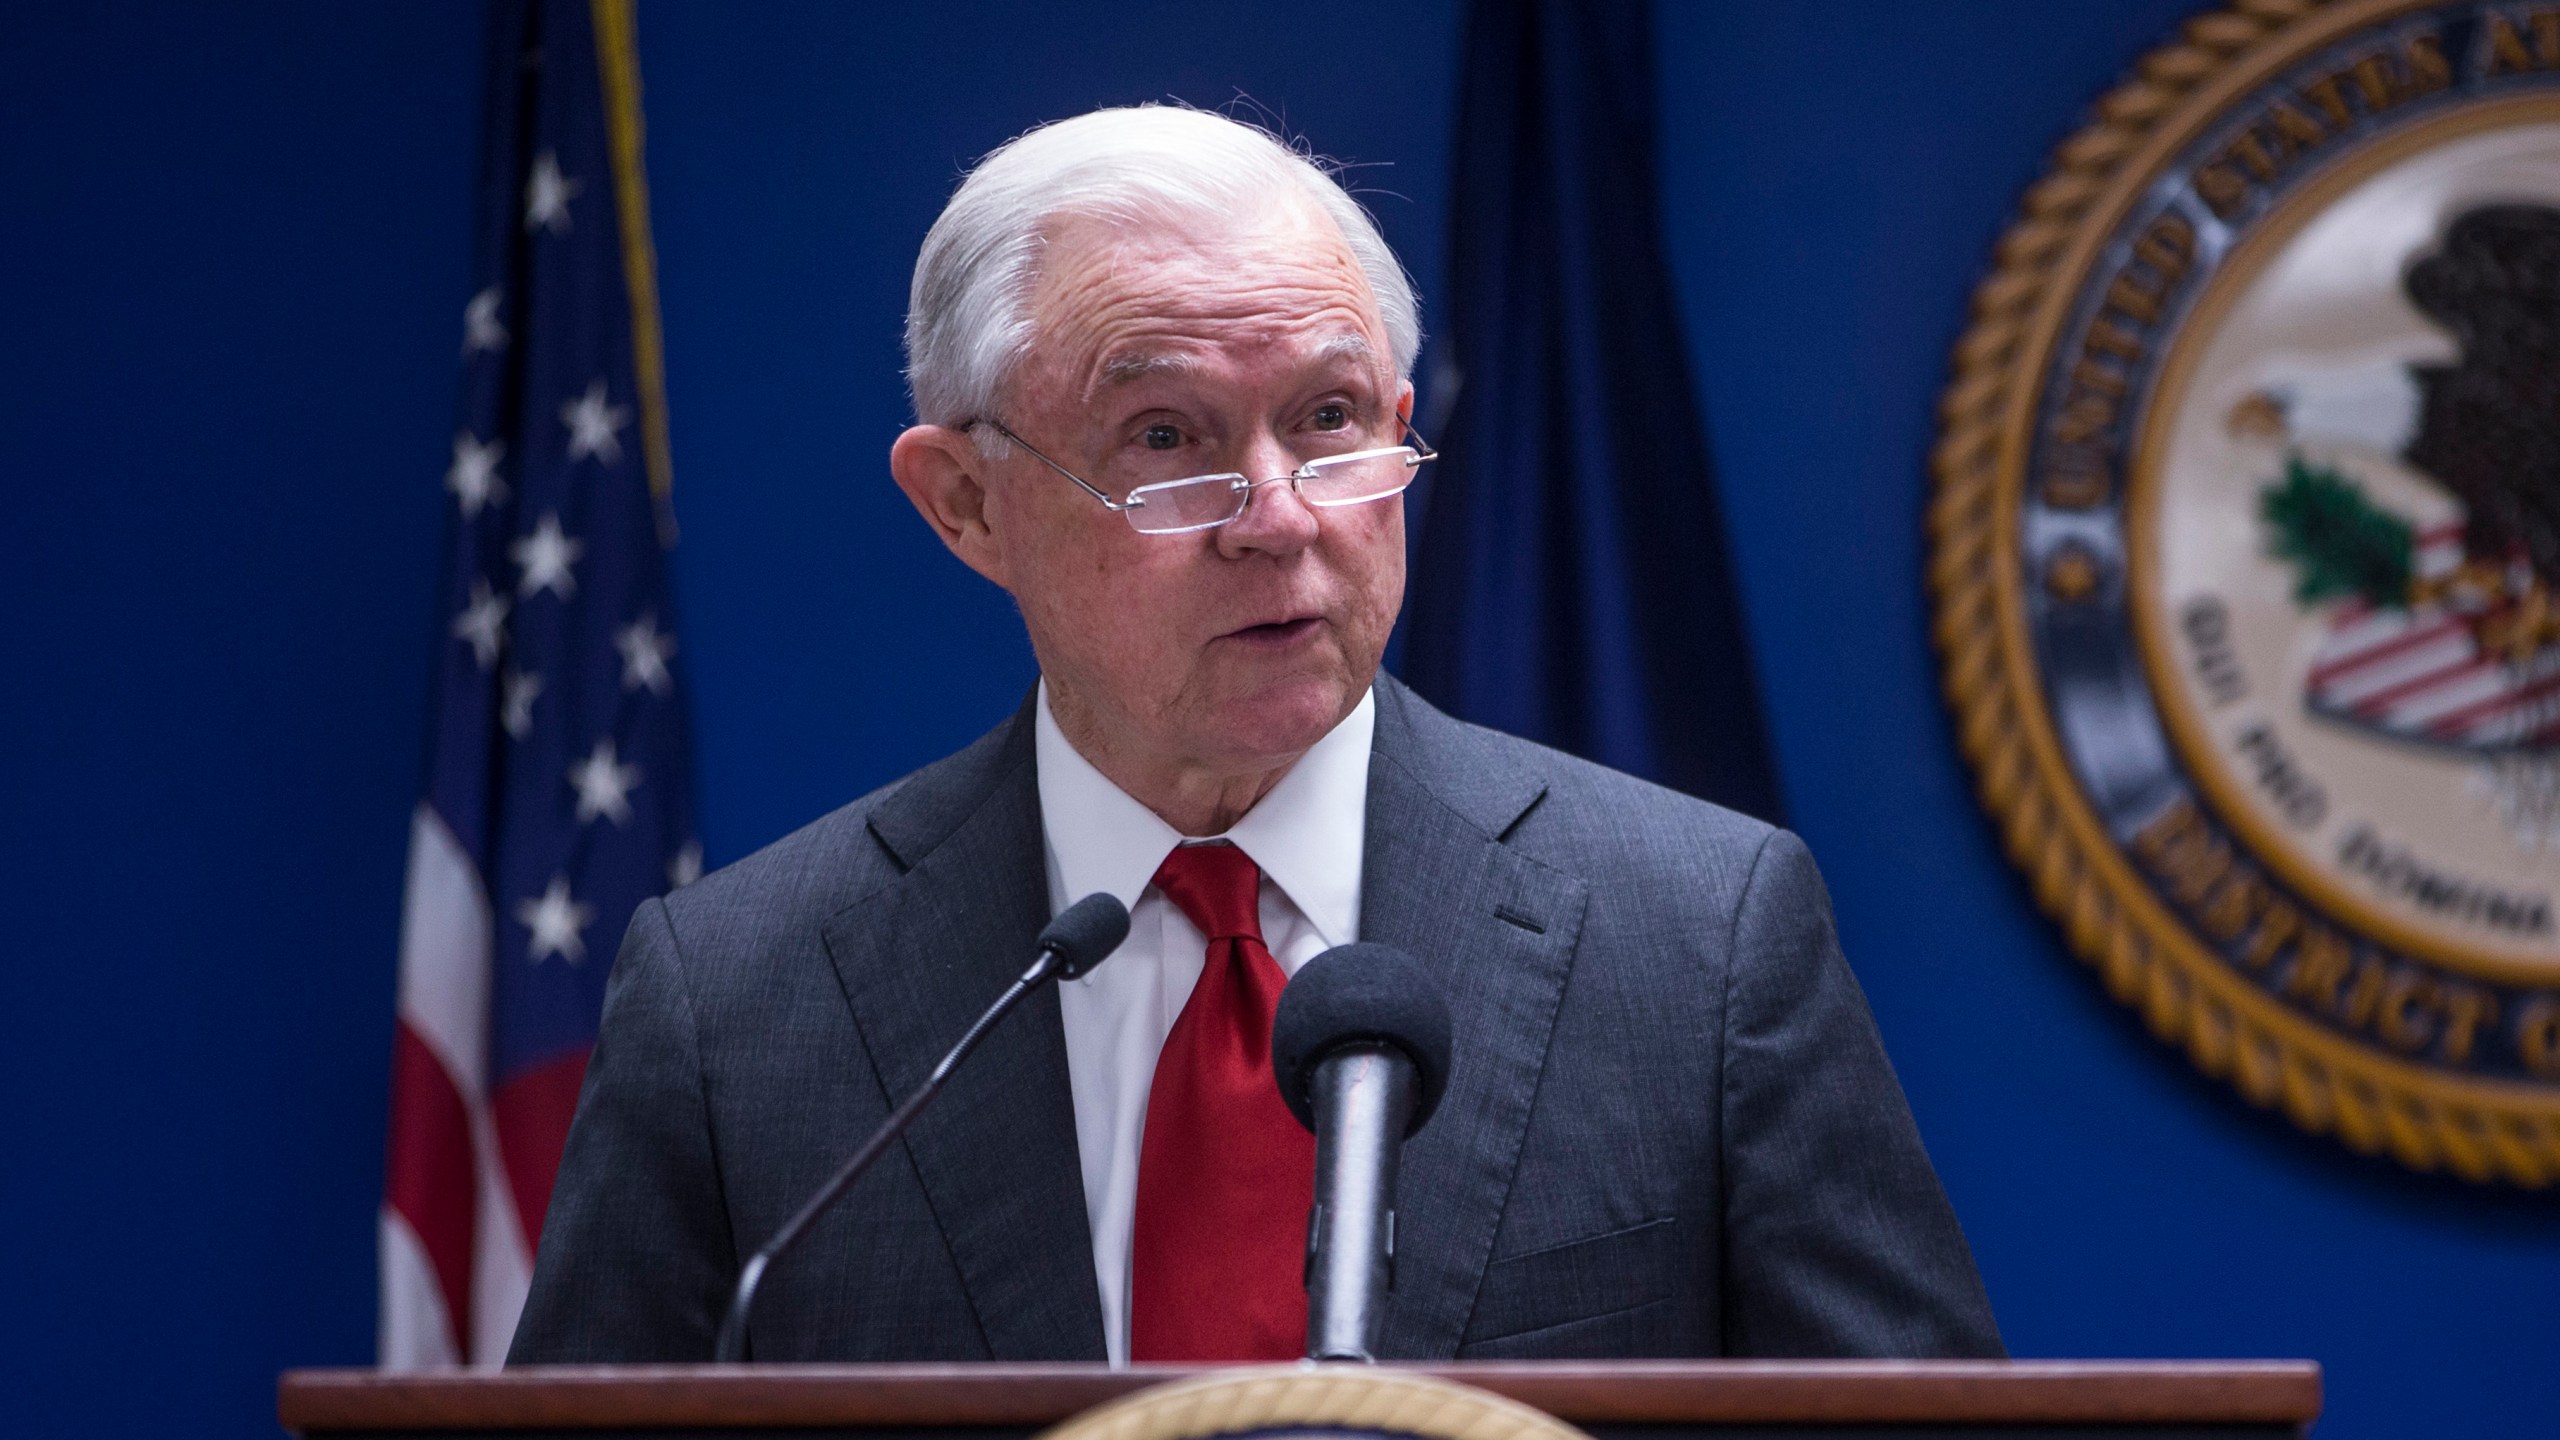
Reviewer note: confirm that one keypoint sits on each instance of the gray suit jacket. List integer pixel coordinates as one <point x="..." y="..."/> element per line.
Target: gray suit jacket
<point x="1670" y="1128"/>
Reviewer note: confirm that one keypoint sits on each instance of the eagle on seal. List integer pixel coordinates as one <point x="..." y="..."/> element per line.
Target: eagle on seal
<point x="2489" y="423"/>
<point x="2442" y="633"/>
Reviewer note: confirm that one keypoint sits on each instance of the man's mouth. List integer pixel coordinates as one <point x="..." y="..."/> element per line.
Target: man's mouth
<point x="1277" y="634"/>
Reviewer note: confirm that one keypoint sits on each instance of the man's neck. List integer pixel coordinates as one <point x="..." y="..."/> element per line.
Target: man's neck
<point x="1195" y="799"/>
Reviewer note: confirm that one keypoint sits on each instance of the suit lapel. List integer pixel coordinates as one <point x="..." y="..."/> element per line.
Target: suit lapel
<point x="1500" y="930"/>
<point x="919" y="959"/>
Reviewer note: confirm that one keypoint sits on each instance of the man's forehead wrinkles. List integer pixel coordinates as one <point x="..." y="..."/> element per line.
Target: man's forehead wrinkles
<point x="1155" y="346"/>
<point x="1120" y="313"/>
<point x="1225" y="305"/>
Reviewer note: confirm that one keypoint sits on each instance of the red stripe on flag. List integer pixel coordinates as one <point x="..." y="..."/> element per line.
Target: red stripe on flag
<point x="2471" y="715"/>
<point x="532" y="1112"/>
<point x="2453" y="674"/>
<point x="2378" y="651"/>
<point x="429" y="1176"/>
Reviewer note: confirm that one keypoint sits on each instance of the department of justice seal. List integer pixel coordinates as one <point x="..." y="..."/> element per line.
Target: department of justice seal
<point x="1313" y="1402"/>
<point x="2246" y="552"/>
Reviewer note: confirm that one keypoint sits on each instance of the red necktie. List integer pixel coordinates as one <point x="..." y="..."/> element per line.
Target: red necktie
<point x="1225" y="1174"/>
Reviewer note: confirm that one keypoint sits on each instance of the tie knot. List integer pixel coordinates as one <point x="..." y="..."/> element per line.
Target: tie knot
<point x="1217" y="887"/>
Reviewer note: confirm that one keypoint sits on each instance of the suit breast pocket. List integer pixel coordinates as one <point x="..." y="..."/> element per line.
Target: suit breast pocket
<point x="1561" y="1287"/>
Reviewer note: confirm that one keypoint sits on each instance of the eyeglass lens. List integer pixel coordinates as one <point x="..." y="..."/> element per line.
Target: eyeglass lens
<point x="1216" y="499"/>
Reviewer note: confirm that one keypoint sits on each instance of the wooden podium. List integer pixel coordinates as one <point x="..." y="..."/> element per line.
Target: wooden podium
<point x="1618" y="1400"/>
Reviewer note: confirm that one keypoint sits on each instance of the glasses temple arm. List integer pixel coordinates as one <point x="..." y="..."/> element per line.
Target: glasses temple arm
<point x="1081" y="483"/>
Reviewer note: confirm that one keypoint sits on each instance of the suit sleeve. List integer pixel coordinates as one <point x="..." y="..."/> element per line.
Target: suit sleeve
<point x="1838" y="1239"/>
<point x="636" y="1258"/>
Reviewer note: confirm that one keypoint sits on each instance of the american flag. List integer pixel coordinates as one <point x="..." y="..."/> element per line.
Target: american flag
<point x="556" y="796"/>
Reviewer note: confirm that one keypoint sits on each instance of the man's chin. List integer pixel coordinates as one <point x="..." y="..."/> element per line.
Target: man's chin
<point x="1277" y="723"/>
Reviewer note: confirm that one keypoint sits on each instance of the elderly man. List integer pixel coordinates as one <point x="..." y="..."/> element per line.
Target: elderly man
<point x="1161" y="368"/>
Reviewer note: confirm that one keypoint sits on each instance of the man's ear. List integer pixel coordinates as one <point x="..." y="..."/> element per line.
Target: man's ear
<point x="944" y="477"/>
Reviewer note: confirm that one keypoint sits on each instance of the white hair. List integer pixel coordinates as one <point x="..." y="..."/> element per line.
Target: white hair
<point x="969" y="308"/>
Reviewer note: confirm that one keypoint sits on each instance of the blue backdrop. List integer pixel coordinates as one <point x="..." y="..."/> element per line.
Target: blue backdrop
<point x="237" y="247"/>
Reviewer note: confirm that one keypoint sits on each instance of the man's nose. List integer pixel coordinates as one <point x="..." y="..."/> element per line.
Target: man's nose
<point x="1276" y="519"/>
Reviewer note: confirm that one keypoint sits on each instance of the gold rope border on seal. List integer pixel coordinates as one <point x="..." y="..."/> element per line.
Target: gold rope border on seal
<point x="2481" y="1130"/>
<point x="1231" y="1402"/>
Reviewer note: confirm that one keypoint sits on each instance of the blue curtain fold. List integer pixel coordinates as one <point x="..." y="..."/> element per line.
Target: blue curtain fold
<point x="1570" y="575"/>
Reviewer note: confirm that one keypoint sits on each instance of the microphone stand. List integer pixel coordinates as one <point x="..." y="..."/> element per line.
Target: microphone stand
<point x="732" y="1347"/>
<point x="1363" y="1097"/>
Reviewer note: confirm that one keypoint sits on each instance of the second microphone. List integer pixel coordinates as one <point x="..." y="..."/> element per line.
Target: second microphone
<point x="1360" y="1048"/>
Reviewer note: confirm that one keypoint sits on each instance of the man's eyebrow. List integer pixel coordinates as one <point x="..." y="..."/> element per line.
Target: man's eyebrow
<point x="1129" y="369"/>
<point x="1347" y="346"/>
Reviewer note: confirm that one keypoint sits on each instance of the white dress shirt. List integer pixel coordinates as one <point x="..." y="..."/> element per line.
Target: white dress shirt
<point x="1306" y="835"/>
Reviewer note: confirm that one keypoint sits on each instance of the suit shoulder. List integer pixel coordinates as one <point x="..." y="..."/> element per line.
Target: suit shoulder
<point x="1594" y="803"/>
<point x="1588" y="790"/>
<point x="1604" y="826"/>
<point x="814" y="871"/>
<point x="1643" y="846"/>
<point x="840" y="857"/>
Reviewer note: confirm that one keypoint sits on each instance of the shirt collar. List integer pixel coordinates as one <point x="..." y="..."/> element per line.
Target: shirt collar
<point x="1308" y="834"/>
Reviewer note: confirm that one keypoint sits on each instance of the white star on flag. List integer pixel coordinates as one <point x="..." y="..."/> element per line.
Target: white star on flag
<point x="592" y="424"/>
<point x="516" y="705"/>
<point x="483" y="622"/>
<point x="645" y="649"/>
<point x="604" y="788"/>
<point x="546" y="556"/>
<point x="547" y="194"/>
<point x="480" y="327"/>
<point x="558" y="923"/>
<point x="686" y="867"/>
<point x="474" y="476"/>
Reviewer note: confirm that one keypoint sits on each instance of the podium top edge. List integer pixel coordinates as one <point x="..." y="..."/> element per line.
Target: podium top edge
<point x="1579" y="1392"/>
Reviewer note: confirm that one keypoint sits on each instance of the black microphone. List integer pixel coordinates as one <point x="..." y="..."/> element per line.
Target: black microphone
<point x="1360" y="1047"/>
<point x="1079" y="939"/>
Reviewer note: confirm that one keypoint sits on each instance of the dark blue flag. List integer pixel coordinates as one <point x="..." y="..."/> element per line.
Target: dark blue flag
<point x="1570" y="581"/>
<point x="557" y="796"/>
